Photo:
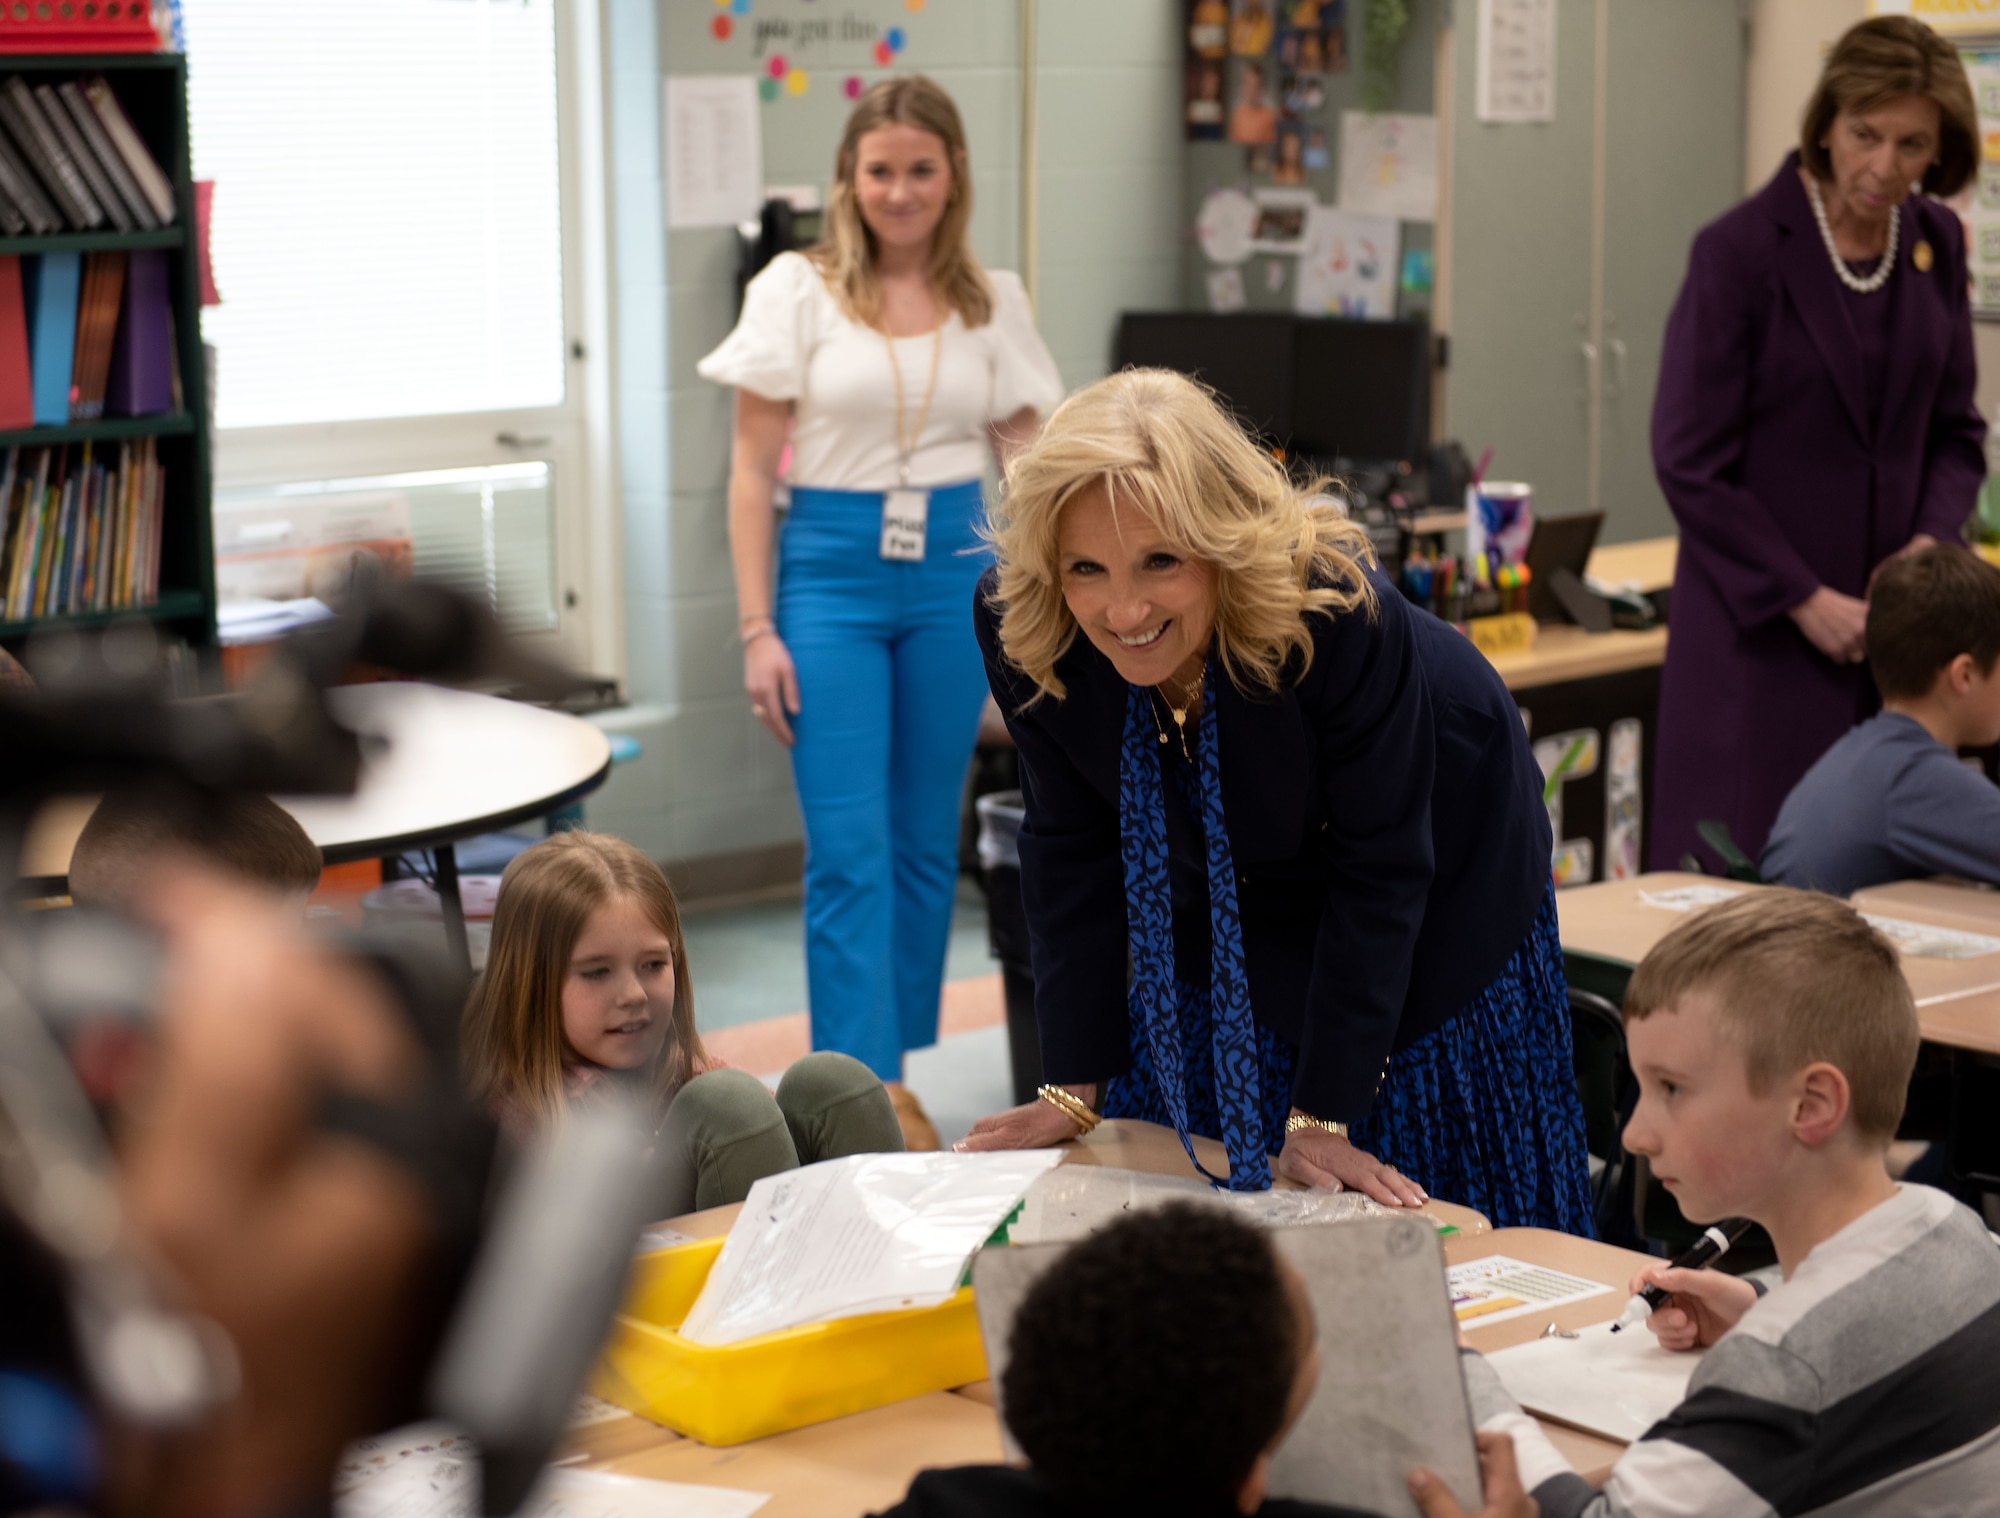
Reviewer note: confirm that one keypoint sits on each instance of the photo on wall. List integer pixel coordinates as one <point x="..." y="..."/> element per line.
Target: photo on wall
<point x="1289" y="165"/>
<point x="1251" y="28"/>
<point x="1208" y="29"/>
<point x="1307" y="14"/>
<point x="1253" y="118"/>
<point x="1206" y="114"/>
<point x="1303" y="94"/>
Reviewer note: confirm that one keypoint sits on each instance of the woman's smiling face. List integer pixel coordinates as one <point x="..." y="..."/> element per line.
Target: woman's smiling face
<point x="1146" y="604"/>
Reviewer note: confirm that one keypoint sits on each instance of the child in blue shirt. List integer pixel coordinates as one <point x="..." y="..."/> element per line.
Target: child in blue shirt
<point x="1891" y="800"/>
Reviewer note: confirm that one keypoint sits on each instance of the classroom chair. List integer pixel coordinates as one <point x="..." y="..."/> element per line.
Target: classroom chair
<point x="1736" y="865"/>
<point x="1604" y="1083"/>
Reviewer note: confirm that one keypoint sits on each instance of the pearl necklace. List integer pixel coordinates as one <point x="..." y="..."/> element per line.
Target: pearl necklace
<point x="1848" y="277"/>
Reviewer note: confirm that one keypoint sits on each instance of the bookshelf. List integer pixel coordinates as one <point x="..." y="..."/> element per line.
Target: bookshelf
<point x="152" y="88"/>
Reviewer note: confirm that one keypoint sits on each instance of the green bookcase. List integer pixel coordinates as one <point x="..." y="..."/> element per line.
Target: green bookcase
<point x="152" y="87"/>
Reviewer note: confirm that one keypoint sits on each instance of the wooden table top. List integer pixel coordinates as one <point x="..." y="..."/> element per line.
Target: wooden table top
<point x="866" y="1462"/>
<point x="1958" y="1000"/>
<point x="1591" y="1454"/>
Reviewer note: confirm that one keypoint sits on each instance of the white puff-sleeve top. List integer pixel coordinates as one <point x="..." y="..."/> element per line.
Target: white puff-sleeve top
<point x="792" y="343"/>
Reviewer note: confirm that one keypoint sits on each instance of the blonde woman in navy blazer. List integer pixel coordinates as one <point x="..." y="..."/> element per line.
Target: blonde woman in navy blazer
<point x="1285" y="859"/>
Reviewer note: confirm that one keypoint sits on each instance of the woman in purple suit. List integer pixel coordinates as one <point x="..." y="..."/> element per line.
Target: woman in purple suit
<point x="1815" y="419"/>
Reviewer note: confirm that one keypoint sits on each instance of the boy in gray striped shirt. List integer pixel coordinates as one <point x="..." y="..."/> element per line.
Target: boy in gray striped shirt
<point x="1773" y="1039"/>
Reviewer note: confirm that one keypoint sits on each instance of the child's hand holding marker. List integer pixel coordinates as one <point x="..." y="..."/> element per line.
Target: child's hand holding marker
<point x="1701" y="1306"/>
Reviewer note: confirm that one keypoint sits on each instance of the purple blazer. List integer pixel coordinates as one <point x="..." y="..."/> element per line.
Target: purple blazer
<point x="1764" y="447"/>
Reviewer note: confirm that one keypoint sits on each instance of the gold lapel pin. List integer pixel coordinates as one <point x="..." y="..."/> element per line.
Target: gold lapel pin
<point x="1920" y="255"/>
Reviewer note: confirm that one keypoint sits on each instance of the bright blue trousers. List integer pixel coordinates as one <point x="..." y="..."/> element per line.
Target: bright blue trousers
<point x="890" y="686"/>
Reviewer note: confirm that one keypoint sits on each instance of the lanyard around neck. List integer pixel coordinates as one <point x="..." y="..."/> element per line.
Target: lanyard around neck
<point x="906" y="449"/>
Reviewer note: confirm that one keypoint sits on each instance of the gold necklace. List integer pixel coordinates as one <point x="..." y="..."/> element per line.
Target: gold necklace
<point x="1179" y="713"/>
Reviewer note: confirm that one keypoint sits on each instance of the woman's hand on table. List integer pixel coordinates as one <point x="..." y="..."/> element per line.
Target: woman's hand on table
<point x="1327" y="1162"/>
<point x="1032" y="1125"/>
<point x="772" y="682"/>
<point x="1834" y="624"/>
<point x="1704" y="1306"/>
<point x="1500" y="1480"/>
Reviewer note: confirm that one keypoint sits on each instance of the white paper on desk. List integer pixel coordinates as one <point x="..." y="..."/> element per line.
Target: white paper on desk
<point x="1618" y="1385"/>
<point x="447" y="1487"/>
<point x="1498" y="1287"/>
<point x="1923" y="940"/>
<point x="868" y="1233"/>
<point x="1689" y="898"/>
<point x="714" y="150"/>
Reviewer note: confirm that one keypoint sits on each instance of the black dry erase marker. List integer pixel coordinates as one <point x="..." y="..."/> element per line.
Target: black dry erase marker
<point x="1711" y="1246"/>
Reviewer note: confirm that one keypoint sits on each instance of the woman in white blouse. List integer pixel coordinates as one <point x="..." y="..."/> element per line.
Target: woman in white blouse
<point x="893" y="363"/>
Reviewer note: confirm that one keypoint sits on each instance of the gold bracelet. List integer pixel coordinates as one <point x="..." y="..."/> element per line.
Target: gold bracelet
<point x="1299" y="1120"/>
<point x="1071" y="1107"/>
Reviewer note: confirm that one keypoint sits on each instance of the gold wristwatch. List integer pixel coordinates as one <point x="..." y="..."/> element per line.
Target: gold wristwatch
<point x="1298" y="1121"/>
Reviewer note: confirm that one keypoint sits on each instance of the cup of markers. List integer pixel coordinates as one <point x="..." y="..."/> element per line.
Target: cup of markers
<point x="1460" y="589"/>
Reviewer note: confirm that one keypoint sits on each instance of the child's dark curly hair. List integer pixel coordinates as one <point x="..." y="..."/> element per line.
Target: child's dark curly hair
<point x="1154" y="1362"/>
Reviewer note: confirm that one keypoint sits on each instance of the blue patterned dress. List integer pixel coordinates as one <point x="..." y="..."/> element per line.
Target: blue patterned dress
<point x="1482" y="1111"/>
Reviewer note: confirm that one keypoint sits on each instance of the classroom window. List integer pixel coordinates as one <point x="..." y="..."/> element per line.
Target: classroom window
<point x="387" y="229"/>
<point x="489" y="532"/>
<point x="404" y="271"/>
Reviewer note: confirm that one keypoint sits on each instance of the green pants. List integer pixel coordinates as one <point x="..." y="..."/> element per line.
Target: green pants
<point x="726" y="1131"/>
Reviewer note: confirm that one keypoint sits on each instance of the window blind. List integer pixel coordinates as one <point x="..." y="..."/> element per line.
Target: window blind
<point x="387" y="233"/>
<point x="488" y="532"/>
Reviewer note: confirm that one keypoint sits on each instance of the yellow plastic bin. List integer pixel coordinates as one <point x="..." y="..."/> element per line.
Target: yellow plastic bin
<point x="731" y="1393"/>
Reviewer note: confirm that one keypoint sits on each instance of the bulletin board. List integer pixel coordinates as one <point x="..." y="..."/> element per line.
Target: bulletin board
<point x="1302" y="198"/>
<point x="1979" y="204"/>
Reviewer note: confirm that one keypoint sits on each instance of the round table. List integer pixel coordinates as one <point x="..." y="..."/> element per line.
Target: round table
<point x="449" y="765"/>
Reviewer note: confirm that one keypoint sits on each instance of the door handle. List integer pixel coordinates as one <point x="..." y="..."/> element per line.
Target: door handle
<point x="1587" y="351"/>
<point x="1616" y="347"/>
<point x="513" y="439"/>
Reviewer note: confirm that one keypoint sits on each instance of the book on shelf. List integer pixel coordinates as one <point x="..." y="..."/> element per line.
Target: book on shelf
<point x="17" y="393"/>
<point x="19" y="185"/>
<point x="36" y="137"/>
<point x="72" y="139"/>
<point x="80" y="528"/>
<point x="116" y="170"/>
<point x="141" y="382"/>
<point x="145" y="169"/>
<point x="51" y="289"/>
<point x="96" y="321"/>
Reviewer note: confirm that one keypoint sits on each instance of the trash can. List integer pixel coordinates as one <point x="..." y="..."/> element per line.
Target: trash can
<point x="1000" y="816"/>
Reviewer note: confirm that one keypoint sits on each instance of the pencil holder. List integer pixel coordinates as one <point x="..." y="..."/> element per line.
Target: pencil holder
<point x="77" y="26"/>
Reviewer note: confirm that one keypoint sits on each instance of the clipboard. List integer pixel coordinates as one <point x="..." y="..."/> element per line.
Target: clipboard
<point x="1391" y="1395"/>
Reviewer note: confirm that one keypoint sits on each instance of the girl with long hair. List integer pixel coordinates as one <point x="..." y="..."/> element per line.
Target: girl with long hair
<point x="586" y="986"/>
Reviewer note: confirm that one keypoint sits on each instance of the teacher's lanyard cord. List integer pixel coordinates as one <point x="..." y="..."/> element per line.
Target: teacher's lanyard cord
<point x="906" y="450"/>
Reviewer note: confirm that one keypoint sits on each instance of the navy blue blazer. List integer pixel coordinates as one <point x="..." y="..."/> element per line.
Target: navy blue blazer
<point x="1386" y="822"/>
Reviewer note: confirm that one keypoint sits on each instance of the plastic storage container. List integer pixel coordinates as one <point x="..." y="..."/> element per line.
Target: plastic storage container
<point x="735" y="1392"/>
<point x="78" y="26"/>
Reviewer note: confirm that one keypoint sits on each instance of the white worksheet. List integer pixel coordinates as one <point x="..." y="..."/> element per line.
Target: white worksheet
<point x="1618" y="1385"/>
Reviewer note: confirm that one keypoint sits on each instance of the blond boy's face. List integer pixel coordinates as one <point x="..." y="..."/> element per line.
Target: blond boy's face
<point x="1718" y="1147"/>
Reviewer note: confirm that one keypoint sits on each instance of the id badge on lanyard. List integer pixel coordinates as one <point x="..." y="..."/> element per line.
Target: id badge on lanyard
<point x="905" y="513"/>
